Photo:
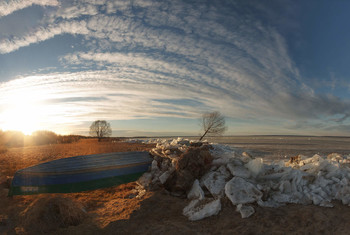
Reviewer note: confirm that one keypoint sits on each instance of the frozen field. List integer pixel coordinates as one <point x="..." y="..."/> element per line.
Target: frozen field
<point x="280" y="147"/>
<point x="283" y="147"/>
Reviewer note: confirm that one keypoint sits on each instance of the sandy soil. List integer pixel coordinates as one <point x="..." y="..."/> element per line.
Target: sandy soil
<point x="117" y="210"/>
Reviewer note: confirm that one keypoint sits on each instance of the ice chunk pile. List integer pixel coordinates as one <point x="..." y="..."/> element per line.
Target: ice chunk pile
<point x="143" y="141"/>
<point x="246" y="181"/>
<point x="176" y="165"/>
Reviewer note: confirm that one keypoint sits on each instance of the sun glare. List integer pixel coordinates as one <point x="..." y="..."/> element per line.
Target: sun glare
<point x="22" y="119"/>
<point x="23" y="111"/>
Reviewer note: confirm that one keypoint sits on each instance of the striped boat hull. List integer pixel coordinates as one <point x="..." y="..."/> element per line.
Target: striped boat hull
<point x="81" y="173"/>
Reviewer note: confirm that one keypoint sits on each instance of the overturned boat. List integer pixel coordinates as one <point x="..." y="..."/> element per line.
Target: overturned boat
<point x="81" y="173"/>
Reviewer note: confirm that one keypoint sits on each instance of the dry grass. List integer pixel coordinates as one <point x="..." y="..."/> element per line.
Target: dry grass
<point x="22" y="157"/>
<point x="3" y="149"/>
<point x="48" y="212"/>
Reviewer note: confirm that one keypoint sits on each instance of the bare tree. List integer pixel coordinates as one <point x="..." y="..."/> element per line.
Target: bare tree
<point x="100" y="129"/>
<point x="213" y="123"/>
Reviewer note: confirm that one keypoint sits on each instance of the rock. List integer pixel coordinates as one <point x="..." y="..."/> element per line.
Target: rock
<point x="200" y="209"/>
<point x="245" y="211"/>
<point x="240" y="191"/>
<point x="196" y="191"/>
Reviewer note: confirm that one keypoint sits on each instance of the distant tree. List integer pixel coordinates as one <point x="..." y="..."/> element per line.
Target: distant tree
<point x="100" y="129"/>
<point x="213" y="123"/>
<point x="44" y="137"/>
<point x="65" y="139"/>
<point x="13" y="138"/>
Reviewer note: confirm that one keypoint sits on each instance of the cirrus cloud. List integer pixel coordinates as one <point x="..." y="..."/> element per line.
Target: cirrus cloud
<point x="8" y="7"/>
<point x="146" y="59"/>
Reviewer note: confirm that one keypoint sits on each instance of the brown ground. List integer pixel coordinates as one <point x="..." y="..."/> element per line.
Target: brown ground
<point x="116" y="210"/>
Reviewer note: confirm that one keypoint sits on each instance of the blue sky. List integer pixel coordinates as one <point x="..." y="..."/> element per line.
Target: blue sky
<point x="154" y="67"/>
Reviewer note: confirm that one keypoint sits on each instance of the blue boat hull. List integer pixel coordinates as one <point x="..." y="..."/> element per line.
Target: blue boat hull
<point x="81" y="173"/>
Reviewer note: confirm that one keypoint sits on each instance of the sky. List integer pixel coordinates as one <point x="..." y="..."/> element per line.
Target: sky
<point x="152" y="68"/>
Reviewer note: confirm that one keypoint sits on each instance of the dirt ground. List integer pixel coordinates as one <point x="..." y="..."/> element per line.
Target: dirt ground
<point x="117" y="210"/>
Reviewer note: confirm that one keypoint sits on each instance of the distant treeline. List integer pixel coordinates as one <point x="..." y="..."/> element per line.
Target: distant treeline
<point x="18" y="139"/>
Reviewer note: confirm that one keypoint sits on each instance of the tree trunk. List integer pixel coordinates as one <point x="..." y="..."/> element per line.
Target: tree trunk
<point x="203" y="135"/>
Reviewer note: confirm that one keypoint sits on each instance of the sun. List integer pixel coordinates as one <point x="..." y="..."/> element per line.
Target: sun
<point x="23" y="119"/>
<point x="23" y="112"/>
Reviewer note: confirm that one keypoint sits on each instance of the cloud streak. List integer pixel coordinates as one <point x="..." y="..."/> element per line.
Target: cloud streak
<point x="8" y="7"/>
<point x="42" y="34"/>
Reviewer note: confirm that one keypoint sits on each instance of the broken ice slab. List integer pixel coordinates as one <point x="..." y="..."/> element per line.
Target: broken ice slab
<point x="255" y="166"/>
<point x="215" y="183"/>
<point x="163" y="177"/>
<point x="223" y="170"/>
<point x="245" y="211"/>
<point x="145" y="179"/>
<point x="200" y="209"/>
<point x="240" y="191"/>
<point x="196" y="191"/>
<point x="239" y="171"/>
<point x="154" y="166"/>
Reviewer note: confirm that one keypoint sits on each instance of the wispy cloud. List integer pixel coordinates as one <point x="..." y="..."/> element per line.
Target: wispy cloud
<point x="8" y="7"/>
<point x="144" y="56"/>
<point x="68" y="11"/>
<point x="42" y="34"/>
